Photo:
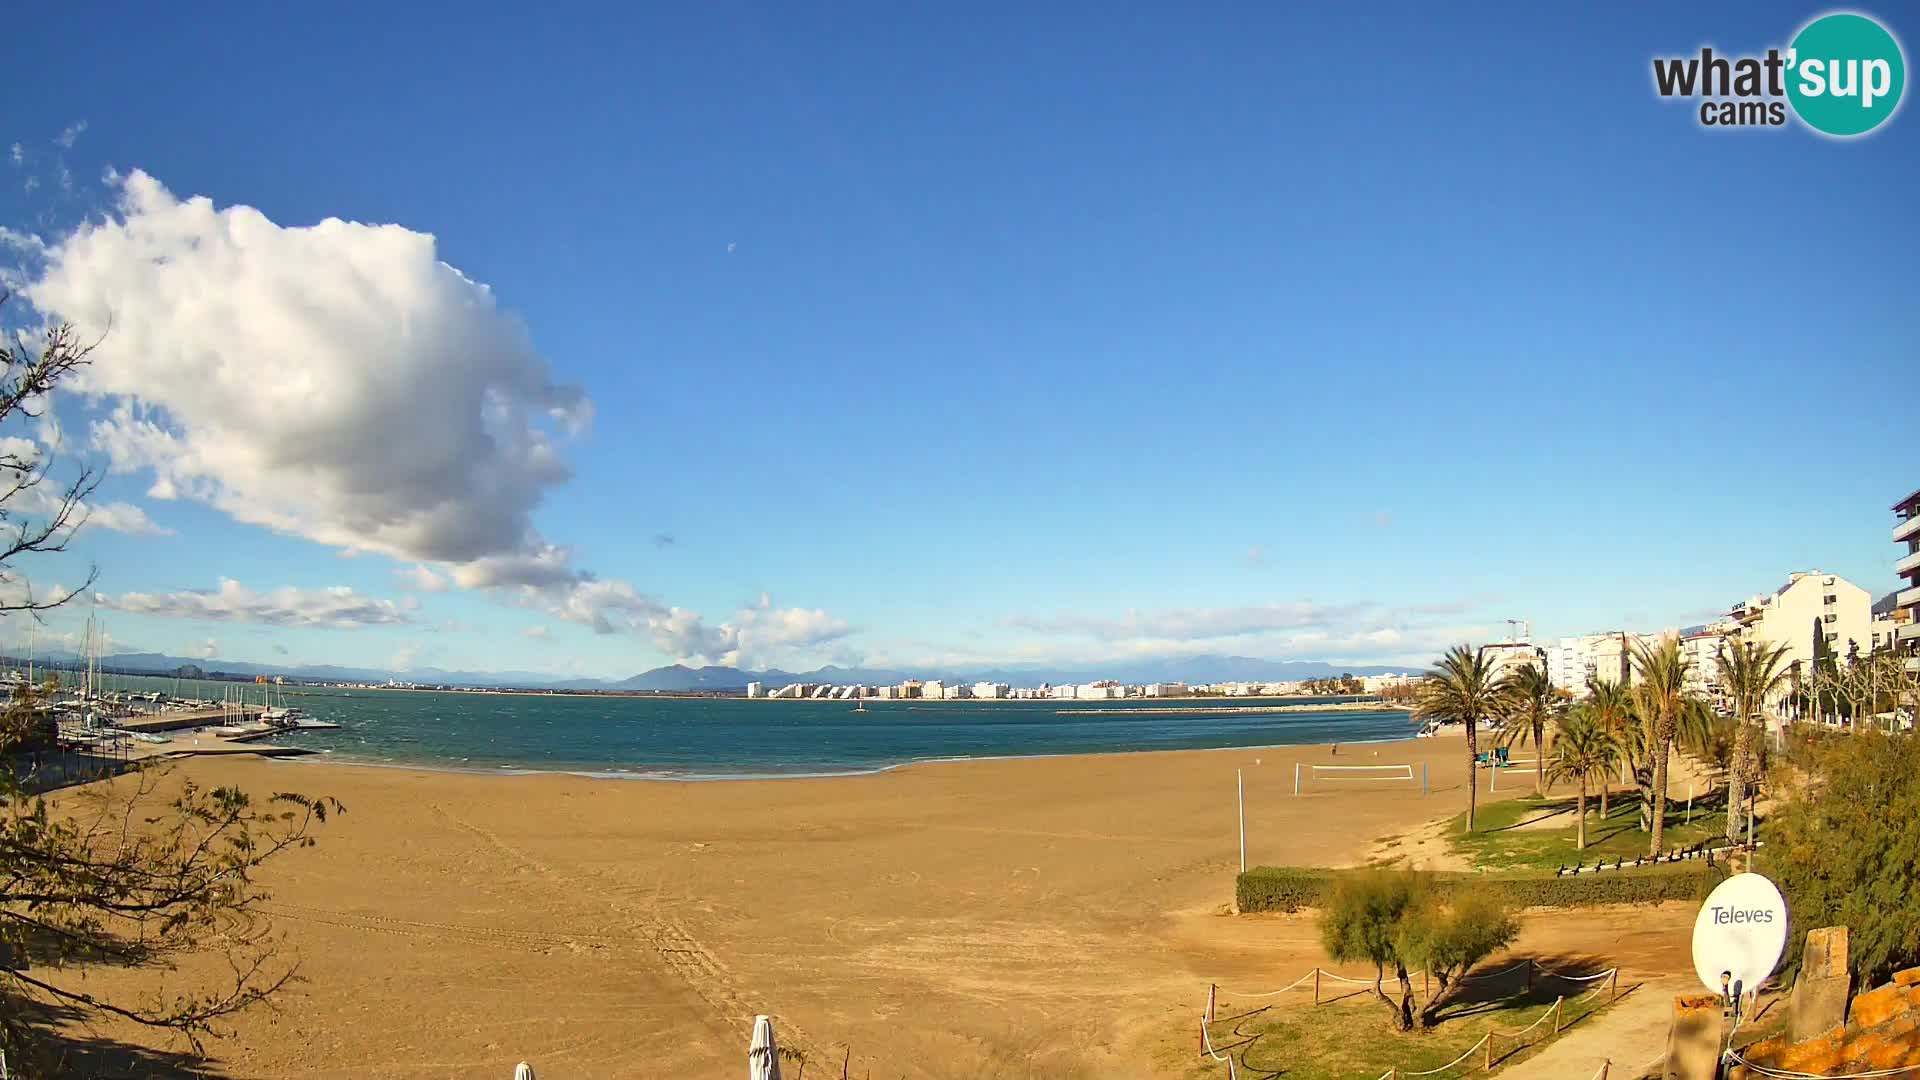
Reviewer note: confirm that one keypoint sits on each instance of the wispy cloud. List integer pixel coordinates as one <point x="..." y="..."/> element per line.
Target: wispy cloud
<point x="537" y="633"/>
<point x="70" y="134"/>
<point x="1255" y="557"/>
<point x="336" y="608"/>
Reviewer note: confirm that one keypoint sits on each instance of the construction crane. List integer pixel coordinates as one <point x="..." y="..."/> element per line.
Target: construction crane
<point x="1522" y="633"/>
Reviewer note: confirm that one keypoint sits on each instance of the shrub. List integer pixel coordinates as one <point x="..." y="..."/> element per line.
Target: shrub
<point x="1270" y="888"/>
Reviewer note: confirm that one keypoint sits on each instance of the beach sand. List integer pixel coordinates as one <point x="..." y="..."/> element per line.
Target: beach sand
<point x="1021" y="917"/>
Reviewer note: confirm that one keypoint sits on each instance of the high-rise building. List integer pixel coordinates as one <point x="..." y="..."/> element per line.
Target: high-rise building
<point x="1906" y="532"/>
<point x="755" y="690"/>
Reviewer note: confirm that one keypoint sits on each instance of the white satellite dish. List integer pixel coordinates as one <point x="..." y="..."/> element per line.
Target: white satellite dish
<point x="1741" y="932"/>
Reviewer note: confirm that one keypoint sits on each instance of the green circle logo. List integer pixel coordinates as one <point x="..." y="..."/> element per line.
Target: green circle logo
<point x="1845" y="74"/>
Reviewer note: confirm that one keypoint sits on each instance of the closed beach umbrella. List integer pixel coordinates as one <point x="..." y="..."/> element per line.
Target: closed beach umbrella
<point x="523" y="1071"/>
<point x="763" y="1057"/>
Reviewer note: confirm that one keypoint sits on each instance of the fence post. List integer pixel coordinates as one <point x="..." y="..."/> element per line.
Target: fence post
<point x="1556" y="1014"/>
<point x="1203" y="1036"/>
<point x="1212" y="988"/>
<point x="1529" y="974"/>
<point x="1615" y="984"/>
<point x="1489" y="1041"/>
<point x="1605" y="1068"/>
<point x="1316" y="986"/>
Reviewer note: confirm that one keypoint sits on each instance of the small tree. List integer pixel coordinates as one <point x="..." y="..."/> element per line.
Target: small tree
<point x="1362" y="922"/>
<point x="1449" y="939"/>
<point x="1582" y="751"/>
<point x="1663" y="696"/>
<point x="1611" y="707"/>
<point x="1528" y="703"/>
<point x="1753" y="674"/>
<point x="134" y="873"/>
<point x="1461" y="688"/>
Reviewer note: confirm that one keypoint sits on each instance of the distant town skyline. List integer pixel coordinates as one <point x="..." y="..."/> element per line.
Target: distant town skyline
<point x="751" y="344"/>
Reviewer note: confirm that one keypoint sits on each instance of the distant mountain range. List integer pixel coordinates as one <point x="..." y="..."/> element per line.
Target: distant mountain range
<point x="680" y="678"/>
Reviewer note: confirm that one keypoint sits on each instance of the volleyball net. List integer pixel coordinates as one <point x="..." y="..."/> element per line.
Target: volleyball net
<point x="1308" y="776"/>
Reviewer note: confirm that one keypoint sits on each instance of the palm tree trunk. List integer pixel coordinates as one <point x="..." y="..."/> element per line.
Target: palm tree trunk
<point x="1604" y="778"/>
<point x="1473" y="779"/>
<point x="1539" y="759"/>
<point x="1581" y="844"/>
<point x="1659" y="796"/>
<point x="1737" y="782"/>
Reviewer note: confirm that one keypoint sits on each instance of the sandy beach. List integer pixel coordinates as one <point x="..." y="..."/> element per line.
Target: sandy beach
<point x="1022" y="917"/>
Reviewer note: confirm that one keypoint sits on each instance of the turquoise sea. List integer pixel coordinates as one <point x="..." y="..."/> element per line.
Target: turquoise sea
<point x="716" y="737"/>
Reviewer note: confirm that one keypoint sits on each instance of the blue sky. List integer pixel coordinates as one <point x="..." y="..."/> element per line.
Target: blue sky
<point x="965" y="337"/>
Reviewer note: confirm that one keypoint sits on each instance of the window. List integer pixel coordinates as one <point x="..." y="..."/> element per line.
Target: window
<point x="1832" y="599"/>
<point x="1831" y="617"/>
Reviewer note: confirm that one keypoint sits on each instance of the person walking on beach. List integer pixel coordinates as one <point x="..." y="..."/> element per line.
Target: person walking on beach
<point x="1336" y="749"/>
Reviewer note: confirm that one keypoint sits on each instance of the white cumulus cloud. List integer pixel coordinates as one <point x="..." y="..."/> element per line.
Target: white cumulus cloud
<point x="337" y="381"/>
<point x="335" y="608"/>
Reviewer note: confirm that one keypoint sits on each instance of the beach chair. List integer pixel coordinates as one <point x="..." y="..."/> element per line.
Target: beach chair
<point x="1500" y="755"/>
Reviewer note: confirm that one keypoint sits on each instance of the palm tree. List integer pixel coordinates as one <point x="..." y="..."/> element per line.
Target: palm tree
<point x="1461" y="688"/>
<point x="1752" y="673"/>
<point x="1528" y="699"/>
<point x="1611" y="708"/>
<point x="1663" y="691"/>
<point x="1583" y="749"/>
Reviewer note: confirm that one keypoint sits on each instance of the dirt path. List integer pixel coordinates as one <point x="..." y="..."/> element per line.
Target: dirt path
<point x="1630" y="1034"/>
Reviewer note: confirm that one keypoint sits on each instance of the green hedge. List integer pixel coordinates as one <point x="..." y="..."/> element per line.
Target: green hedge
<point x="1286" y="888"/>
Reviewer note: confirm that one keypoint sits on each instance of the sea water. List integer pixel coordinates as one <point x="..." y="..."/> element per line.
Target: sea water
<point x="719" y="737"/>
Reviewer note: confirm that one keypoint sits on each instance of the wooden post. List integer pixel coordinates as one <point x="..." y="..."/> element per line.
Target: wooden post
<point x="1529" y="974"/>
<point x="1212" y="989"/>
<point x="1489" y="1041"/>
<point x="1426" y="985"/>
<point x="1605" y="1068"/>
<point x="1615" y="983"/>
<point x="1203" y="1036"/>
<point x="1316" y="986"/>
<point x="1556" y="1014"/>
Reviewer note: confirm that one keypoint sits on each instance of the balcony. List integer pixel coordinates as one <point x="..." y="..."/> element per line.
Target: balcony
<point x="1908" y="565"/>
<point x="1908" y="598"/>
<point x="1909" y="632"/>
<point x="1907" y="529"/>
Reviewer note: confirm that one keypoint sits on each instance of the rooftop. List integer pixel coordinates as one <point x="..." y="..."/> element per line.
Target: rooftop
<point x="1909" y="501"/>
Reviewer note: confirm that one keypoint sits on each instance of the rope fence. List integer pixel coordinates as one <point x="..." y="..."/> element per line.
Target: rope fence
<point x="1485" y="1044"/>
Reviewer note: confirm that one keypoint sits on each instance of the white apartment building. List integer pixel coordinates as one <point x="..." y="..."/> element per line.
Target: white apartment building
<point x="957" y="692"/>
<point x="1885" y="632"/>
<point x="1788" y="616"/>
<point x="1164" y="689"/>
<point x="989" y="691"/>
<point x="933" y="689"/>
<point x="1906" y="533"/>
<point x="1701" y="647"/>
<point x="1572" y="661"/>
<point x="754" y="690"/>
<point x="791" y="690"/>
<point x="1373" y="684"/>
<point x="1099" y="691"/>
<point x="1507" y="655"/>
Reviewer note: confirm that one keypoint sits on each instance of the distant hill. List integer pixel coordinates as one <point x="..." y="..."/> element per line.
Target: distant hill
<point x="681" y="678"/>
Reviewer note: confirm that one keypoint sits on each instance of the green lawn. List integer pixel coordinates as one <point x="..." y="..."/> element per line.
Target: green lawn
<point x="1505" y="836"/>
<point x="1352" y="1038"/>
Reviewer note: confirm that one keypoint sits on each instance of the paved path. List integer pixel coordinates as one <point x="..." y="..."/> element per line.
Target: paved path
<point x="1631" y="1034"/>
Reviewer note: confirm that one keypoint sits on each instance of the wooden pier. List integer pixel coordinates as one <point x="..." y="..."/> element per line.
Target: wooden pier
<point x="189" y="718"/>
